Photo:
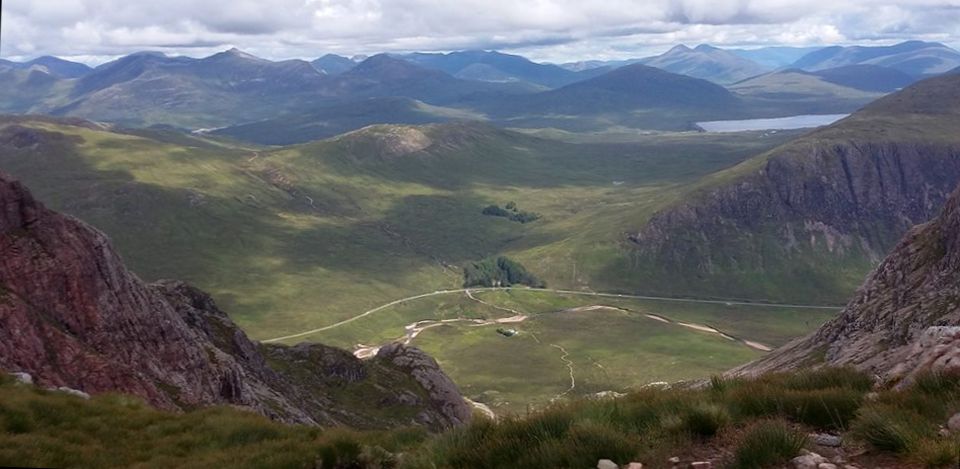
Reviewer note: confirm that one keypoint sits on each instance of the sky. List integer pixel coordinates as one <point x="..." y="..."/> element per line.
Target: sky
<point x="94" y="31"/>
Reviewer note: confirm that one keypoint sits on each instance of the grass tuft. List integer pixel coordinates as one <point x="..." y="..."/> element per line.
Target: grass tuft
<point x="768" y="444"/>
<point x="706" y="419"/>
<point x="936" y="453"/>
<point x="889" y="428"/>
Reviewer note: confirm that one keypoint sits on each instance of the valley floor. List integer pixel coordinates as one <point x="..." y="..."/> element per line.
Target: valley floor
<point x="569" y="343"/>
<point x="315" y="242"/>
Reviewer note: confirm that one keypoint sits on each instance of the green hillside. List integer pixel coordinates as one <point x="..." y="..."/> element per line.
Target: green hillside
<point x="287" y="239"/>
<point x="731" y="423"/>
<point x="807" y="220"/>
<point x="298" y="238"/>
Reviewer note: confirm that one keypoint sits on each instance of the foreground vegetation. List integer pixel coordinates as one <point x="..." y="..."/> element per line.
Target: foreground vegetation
<point x="732" y="422"/>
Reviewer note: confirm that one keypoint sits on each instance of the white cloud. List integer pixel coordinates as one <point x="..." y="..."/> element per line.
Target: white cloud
<point x="545" y="29"/>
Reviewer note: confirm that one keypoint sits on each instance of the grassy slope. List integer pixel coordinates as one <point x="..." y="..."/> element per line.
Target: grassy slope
<point x="738" y="424"/>
<point x="300" y="237"/>
<point x="825" y="278"/>
<point x="51" y="429"/>
<point x="239" y="223"/>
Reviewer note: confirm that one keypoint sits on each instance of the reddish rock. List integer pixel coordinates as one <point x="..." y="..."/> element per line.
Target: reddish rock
<point x="71" y="315"/>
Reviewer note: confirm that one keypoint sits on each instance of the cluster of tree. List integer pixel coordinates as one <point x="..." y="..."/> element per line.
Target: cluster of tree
<point x="510" y="212"/>
<point x="498" y="272"/>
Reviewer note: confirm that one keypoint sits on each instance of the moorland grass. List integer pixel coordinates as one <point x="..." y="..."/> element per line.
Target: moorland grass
<point x="767" y="444"/>
<point x="53" y="429"/>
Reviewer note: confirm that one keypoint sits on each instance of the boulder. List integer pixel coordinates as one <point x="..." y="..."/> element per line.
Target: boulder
<point x="73" y="392"/>
<point x="22" y="378"/>
<point x="954" y="423"/>
<point x="825" y="439"/>
<point x="607" y="464"/>
<point x="808" y="461"/>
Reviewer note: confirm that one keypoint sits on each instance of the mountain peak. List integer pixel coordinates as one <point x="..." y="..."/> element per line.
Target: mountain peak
<point x="387" y="67"/>
<point x="706" y="62"/>
<point x="233" y="52"/>
<point x="679" y="48"/>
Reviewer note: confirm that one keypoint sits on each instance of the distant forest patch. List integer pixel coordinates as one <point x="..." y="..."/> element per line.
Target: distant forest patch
<point x="498" y="272"/>
<point x="510" y="212"/>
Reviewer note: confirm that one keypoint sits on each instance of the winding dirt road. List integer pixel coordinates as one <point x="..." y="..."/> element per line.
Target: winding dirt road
<point x="546" y="290"/>
<point x="697" y="327"/>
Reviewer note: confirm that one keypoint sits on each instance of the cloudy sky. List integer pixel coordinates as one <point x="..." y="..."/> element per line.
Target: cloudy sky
<point x="548" y="30"/>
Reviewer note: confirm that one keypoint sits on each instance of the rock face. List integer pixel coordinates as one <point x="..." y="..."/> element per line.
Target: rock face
<point x="835" y="199"/>
<point x="904" y="318"/>
<point x="424" y="369"/>
<point x="71" y="315"/>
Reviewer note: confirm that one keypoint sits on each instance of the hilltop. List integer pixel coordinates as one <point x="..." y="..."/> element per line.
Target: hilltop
<point x="52" y="65"/>
<point x="707" y="62"/>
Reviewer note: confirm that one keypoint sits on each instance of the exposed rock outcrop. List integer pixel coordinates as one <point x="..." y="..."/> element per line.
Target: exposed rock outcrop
<point x="904" y="318"/>
<point x="815" y="212"/>
<point x="426" y="371"/>
<point x="71" y="315"/>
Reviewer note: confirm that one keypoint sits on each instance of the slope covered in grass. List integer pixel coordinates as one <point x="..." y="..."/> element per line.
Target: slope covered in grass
<point x="731" y="423"/>
<point x="299" y="237"/>
<point x="808" y="220"/>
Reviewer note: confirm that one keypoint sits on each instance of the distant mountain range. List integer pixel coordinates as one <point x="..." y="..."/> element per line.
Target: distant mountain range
<point x="231" y="87"/>
<point x="707" y="62"/>
<point x="833" y="90"/>
<point x="670" y="102"/>
<point x="769" y="58"/>
<point x="627" y="88"/>
<point x="915" y="58"/>
<point x="497" y="66"/>
<point x="295" y="99"/>
<point x="774" y="57"/>
<point x="332" y="64"/>
<point x="52" y="65"/>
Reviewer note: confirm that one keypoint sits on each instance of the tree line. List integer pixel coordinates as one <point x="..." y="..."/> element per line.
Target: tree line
<point x="499" y="272"/>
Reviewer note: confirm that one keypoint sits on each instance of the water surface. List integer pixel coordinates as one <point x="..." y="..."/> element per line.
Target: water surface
<point x="780" y="123"/>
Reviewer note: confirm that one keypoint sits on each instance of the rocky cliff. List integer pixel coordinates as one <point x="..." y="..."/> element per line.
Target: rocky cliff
<point x="815" y="213"/>
<point x="72" y="315"/>
<point x="904" y="318"/>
